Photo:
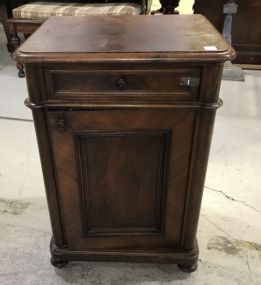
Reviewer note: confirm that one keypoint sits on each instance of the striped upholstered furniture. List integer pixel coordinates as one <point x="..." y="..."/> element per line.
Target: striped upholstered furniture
<point x="28" y="16"/>
<point x="44" y="10"/>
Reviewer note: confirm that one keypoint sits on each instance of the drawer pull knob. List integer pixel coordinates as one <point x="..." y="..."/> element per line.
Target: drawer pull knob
<point x="122" y="83"/>
<point x="60" y="125"/>
<point x="189" y="81"/>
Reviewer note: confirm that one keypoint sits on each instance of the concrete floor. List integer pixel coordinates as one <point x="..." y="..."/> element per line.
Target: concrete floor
<point x="229" y="233"/>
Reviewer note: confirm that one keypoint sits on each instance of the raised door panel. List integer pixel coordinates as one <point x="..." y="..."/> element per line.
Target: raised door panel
<point x="121" y="180"/>
<point x="122" y="176"/>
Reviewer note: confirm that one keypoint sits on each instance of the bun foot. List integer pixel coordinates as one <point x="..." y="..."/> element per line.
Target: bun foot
<point x="58" y="263"/>
<point x="188" y="268"/>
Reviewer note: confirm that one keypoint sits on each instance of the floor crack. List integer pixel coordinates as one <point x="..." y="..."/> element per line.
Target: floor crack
<point x="233" y="199"/>
<point x="215" y="225"/>
<point x="248" y="266"/>
<point x="15" y="119"/>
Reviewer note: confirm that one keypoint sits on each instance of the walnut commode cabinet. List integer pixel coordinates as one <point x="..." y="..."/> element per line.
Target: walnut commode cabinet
<point x="124" y="108"/>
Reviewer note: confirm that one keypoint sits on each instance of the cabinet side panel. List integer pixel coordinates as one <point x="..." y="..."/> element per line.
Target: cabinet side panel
<point x="209" y="93"/>
<point x="48" y="174"/>
<point x="36" y="91"/>
<point x="197" y="177"/>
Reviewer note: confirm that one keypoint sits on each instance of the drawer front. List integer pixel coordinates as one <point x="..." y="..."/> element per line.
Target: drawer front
<point x="181" y="84"/>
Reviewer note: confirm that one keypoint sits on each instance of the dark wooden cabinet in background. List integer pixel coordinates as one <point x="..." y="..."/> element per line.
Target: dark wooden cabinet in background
<point x="246" y="26"/>
<point x="124" y="123"/>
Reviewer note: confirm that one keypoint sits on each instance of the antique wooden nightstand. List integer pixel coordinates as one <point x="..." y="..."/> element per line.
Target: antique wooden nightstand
<point x="123" y="109"/>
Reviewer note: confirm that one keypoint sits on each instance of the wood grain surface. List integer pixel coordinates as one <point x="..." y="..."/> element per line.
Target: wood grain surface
<point x="121" y="37"/>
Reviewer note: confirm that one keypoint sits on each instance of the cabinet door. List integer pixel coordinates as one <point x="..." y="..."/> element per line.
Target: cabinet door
<point x="122" y="176"/>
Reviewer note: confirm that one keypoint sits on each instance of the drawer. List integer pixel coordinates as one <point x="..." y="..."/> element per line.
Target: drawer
<point x="73" y="84"/>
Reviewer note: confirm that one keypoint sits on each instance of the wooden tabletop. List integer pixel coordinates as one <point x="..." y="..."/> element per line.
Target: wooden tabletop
<point x="165" y="38"/>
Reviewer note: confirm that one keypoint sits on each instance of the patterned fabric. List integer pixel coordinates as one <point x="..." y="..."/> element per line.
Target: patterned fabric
<point x="44" y="10"/>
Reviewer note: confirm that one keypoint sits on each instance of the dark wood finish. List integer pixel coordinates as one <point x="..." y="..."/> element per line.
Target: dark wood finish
<point x="81" y="83"/>
<point x="124" y="134"/>
<point x="116" y="176"/>
<point x="102" y="176"/>
<point x="246" y="32"/>
<point x="106" y="42"/>
<point x="117" y="42"/>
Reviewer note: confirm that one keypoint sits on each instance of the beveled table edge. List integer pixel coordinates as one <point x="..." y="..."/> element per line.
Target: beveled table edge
<point x="110" y="57"/>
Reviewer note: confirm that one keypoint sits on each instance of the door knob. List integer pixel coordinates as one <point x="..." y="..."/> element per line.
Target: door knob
<point x="61" y="125"/>
<point x="122" y="83"/>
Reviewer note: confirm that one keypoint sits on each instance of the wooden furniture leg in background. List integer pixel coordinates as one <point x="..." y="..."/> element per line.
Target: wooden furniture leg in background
<point x="245" y="32"/>
<point x="4" y="17"/>
<point x="167" y="7"/>
<point x="15" y="42"/>
<point x="231" y="71"/>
